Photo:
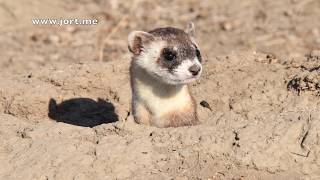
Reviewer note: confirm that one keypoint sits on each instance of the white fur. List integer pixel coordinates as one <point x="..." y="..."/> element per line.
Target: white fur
<point x="156" y="90"/>
<point x="148" y="88"/>
<point x="132" y="36"/>
<point x="181" y="75"/>
<point x="148" y="57"/>
<point x="160" y="105"/>
<point x="191" y="29"/>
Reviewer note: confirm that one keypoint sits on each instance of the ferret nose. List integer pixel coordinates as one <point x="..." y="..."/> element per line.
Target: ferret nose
<point x="195" y="69"/>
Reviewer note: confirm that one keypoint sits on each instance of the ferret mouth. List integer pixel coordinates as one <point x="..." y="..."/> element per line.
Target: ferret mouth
<point x="185" y="81"/>
<point x="176" y="81"/>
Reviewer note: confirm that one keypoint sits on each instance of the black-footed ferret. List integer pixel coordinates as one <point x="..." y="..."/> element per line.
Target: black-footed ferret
<point x="164" y="61"/>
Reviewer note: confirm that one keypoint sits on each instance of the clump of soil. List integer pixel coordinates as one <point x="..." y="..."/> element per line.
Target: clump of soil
<point x="307" y="81"/>
<point x="309" y="78"/>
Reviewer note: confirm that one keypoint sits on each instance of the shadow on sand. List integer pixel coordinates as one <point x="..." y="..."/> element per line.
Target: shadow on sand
<point x="84" y="112"/>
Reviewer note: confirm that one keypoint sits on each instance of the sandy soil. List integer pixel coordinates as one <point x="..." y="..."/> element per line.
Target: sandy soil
<point x="65" y="94"/>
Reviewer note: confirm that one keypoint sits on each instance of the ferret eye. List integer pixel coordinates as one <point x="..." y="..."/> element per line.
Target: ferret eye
<point x="169" y="55"/>
<point x="198" y="54"/>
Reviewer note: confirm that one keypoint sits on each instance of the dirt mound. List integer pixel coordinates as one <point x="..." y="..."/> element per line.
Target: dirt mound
<point x="255" y="128"/>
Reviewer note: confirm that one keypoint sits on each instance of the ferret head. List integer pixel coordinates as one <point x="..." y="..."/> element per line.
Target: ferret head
<point x="168" y="54"/>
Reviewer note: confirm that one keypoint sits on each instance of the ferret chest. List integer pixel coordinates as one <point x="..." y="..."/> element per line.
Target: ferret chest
<point x="161" y="101"/>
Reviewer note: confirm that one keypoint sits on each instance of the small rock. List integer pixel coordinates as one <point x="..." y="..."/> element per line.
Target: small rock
<point x="227" y="26"/>
<point x="205" y="104"/>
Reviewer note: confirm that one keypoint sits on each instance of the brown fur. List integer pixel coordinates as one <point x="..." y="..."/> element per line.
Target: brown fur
<point x="188" y="117"/>
<point x="184" y="117"/>
<point x="184" y="111"/>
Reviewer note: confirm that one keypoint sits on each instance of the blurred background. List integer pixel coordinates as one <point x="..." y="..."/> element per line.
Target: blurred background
<point x="286" y="29"/>
<point x="259" y="112"/>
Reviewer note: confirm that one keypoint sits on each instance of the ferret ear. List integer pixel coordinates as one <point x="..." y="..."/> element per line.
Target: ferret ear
<point x="191" y="29"/>
<point x="137" y="40"/>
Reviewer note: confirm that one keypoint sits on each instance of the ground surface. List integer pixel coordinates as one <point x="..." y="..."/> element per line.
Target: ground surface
<point x="65" y="94"/>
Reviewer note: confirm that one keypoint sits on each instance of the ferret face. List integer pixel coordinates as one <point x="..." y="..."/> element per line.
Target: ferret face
<point x="168" y="54"/>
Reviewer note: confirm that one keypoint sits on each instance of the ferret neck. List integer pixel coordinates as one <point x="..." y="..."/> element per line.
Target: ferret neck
<point x="142" y="79"/>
